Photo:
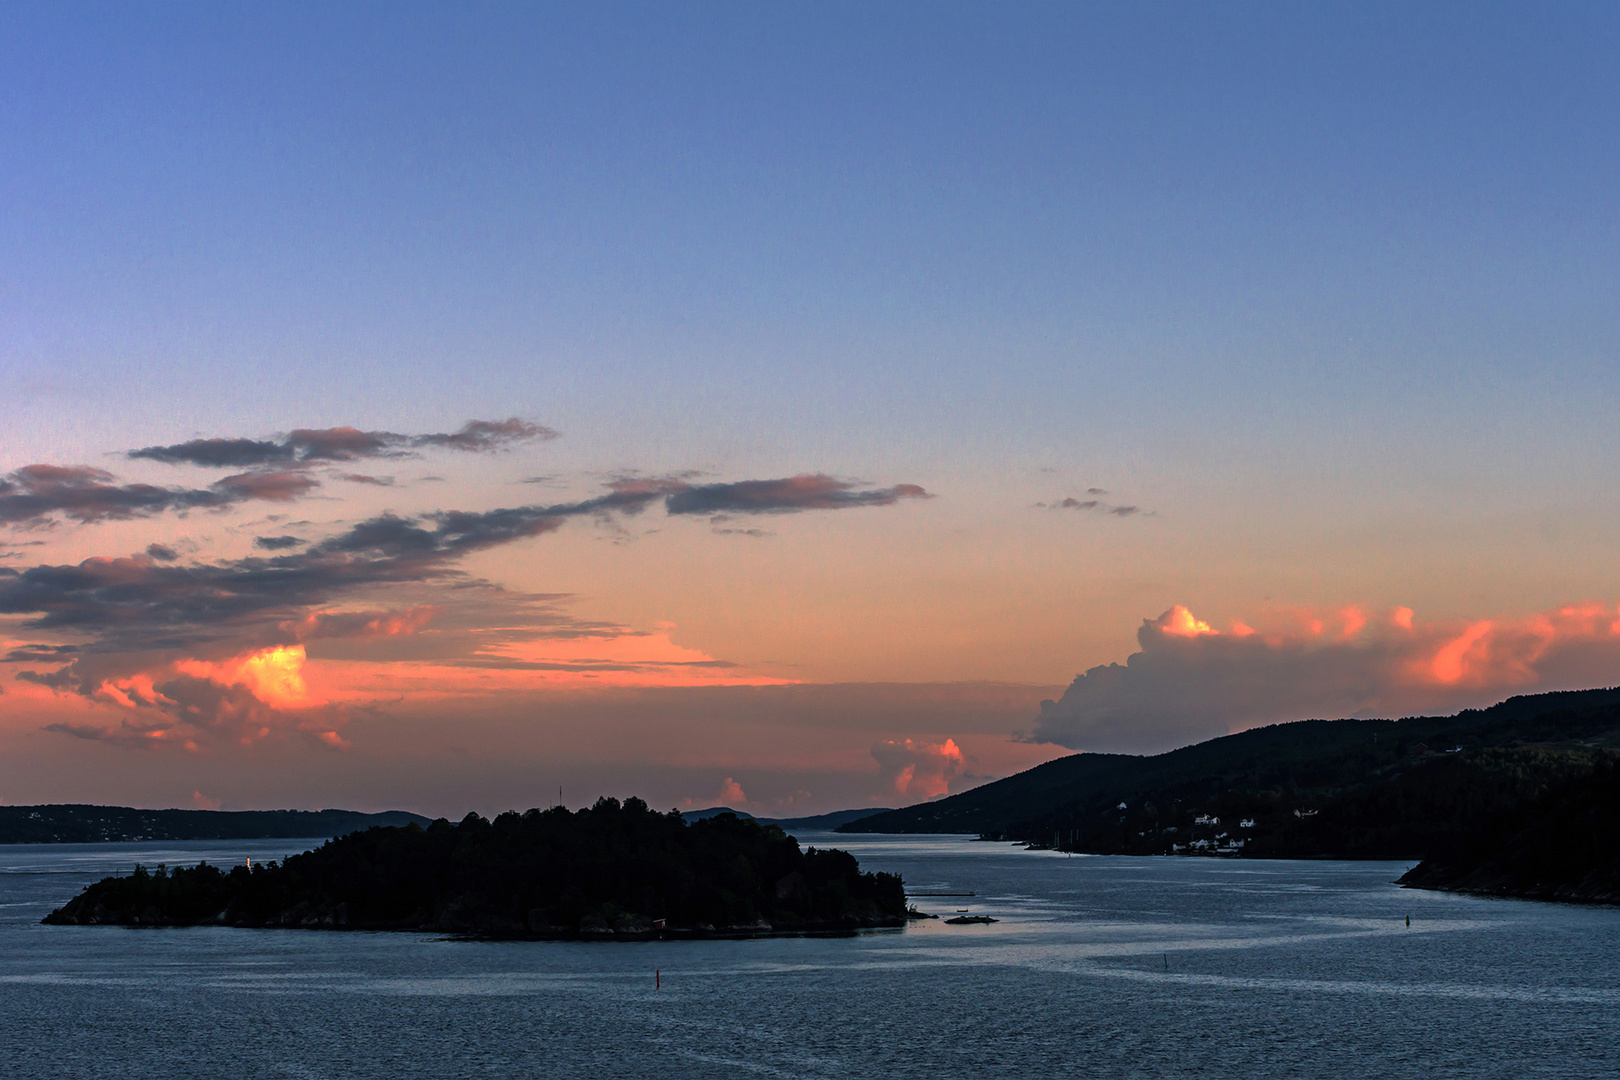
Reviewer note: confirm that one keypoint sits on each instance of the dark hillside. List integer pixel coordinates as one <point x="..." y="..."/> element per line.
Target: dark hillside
<point x="1343" y="788"/>
<point x="1563" y="846"/>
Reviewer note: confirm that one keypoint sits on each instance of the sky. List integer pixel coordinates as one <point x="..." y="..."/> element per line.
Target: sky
<point x="791" y="406"/>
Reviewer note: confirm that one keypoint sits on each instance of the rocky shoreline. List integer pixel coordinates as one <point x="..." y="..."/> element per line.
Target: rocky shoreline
<point x="1496" y="881"/>
<point x="627" y="927"/>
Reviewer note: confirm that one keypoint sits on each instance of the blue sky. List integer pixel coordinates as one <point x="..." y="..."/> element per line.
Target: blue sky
<point x="1235" y="213"/>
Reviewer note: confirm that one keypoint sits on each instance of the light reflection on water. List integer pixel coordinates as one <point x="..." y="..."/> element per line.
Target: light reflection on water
<point x="1098" y="967"/>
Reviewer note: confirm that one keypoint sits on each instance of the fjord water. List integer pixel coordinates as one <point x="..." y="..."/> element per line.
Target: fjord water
<point x="1098" y="967"/>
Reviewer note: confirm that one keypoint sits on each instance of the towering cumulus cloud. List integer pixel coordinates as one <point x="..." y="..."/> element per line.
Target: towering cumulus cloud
<point x="919" y="770"/>
<point x="1190" y="681"/>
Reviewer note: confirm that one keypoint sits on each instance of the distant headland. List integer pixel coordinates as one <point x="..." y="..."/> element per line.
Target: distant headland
<point x="612" y="871"/>
<point x="75" y="823"/>
<point x="1519" y="799"/>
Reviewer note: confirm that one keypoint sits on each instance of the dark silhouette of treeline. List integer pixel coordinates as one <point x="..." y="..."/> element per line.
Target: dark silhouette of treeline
<point x="71" y="823"/>
<point x="613" y="870"/>
<point x="1564" y="845"/>
<point x="1355" y="789"/>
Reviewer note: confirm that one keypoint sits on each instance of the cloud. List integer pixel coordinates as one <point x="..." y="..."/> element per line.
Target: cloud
<point x="132" y="599"/>
<point x="1190" y="681"/>
<point x="362" y="478"/>
<point x="720" y="525"/>
<point x="350" y="625"/>
<point x="919" y="770"/>
<point x="219" y="453"/>
<point x="38" y="493"/>
<point x="807" y="491"/>
<point x="731" y="793"/>
<point x="1095" y="505"/>
<point x="306" y="446"/>
<point x="486" y="436"/>
<point x="196" y="705"/>
<point x="137" y="596"/>
<point x="181" y="649"/>
<point x="278" y="486"/>
<point x="66" y="678"/>
<point x="38" y="654"/>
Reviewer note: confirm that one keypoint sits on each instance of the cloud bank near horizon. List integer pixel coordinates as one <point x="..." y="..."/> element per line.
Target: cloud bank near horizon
<point x="1190" y="682"/>
<point x="173" y="645"/>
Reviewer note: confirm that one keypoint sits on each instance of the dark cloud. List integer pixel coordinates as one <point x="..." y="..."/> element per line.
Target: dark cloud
<point x="39" y="493"/>
<point x="40" y="654"/>
<point x="191" y="711"/>
<point x="79" y="731"/>
<point x="141" y="614"/>
<point x="1095" y="505"/>
<point x="362" y="478"/>
<point x="486" y="436"/>
<point x="279" y="486"/>
<point x="134" y="596"/>
<point x="308" y="446"/>
<point x="720" y="525"/>
<point x="809" y="491"/>
<point x="161" y="552"/>
<point x="219" y="453"/>
<point x="61" y="679"/>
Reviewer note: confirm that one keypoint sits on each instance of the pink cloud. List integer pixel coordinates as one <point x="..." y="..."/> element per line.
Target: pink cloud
<point x="1190" y="681"/>
<point x="919" y="769"/>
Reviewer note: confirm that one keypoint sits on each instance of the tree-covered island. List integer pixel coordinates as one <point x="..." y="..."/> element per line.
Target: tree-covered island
<point x="611" y="871"/>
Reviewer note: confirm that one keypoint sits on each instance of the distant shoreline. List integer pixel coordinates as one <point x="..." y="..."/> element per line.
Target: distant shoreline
<point x="82" y="823"/>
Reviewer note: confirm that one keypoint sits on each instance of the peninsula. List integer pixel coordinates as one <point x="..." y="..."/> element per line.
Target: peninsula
<point x="1519" y="799"/>
<point x="614" y="870"/>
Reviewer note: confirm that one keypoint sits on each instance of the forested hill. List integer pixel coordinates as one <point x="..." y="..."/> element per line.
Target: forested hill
<point x="1344" y="788"/>
<point x="613" y="871"/>
<point x="1562" y="846"/>
<point x="79" y="824"/>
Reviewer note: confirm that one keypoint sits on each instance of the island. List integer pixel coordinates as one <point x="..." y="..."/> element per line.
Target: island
<point x="611" y="871"/>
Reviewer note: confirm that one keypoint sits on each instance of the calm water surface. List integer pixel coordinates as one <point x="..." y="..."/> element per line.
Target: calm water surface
<point x="1099" y="967"/>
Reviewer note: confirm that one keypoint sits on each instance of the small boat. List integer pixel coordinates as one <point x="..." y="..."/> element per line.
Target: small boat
<point x="967" y="920"/>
